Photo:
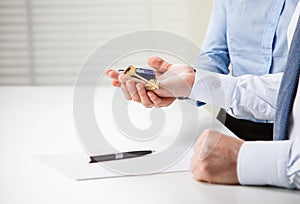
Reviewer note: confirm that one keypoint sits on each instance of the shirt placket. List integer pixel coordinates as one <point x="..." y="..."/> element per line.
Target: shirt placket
<point x="269" y="36"/>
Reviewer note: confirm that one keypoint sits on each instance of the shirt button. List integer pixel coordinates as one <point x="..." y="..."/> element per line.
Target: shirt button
<point x="261" y="107"/>
<point x="217" y="84"/>
<point x="267" y="58"/>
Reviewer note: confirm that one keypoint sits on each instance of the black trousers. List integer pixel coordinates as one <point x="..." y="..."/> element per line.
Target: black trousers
<point x="246" y="130"/>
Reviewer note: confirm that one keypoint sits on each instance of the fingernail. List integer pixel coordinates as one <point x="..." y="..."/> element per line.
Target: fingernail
<point x="149" y="93"/>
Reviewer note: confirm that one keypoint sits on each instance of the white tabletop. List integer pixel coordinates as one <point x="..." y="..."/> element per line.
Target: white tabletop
<point x="39" y="120"/>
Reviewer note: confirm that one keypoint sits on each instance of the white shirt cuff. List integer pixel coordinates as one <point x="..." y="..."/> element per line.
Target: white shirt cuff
<point x="212" y="88"/>
<point x="264" y="163"/>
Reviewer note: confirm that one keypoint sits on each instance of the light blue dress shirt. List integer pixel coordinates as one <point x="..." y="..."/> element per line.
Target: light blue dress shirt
<point x="260" y="162"/>
<point x="248" y="34"/>
<point x="280" y="160"/>
<point x="274" y="163"/>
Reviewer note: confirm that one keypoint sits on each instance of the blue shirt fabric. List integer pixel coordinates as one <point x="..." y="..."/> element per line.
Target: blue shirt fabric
<point x="260" y="162"/>
<point x="251" y="35"/>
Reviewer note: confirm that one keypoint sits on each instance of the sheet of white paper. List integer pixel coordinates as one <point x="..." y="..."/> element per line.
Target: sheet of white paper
<point x="77" y="166"/>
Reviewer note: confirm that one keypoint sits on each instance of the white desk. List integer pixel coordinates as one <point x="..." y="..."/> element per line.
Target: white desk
<point x="39" y="120"/>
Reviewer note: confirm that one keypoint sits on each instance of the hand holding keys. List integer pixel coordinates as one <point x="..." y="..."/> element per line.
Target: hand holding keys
<point x="145" y="75"/>
<point x="164" y="83"/>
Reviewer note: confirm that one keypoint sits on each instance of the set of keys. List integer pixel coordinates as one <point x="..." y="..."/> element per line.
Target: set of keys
<point x="145" y="75"/>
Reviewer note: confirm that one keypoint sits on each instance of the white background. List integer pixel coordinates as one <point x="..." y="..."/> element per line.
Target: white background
<point x="45" y="42"/>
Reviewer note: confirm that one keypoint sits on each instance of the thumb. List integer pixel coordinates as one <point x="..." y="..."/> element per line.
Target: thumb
<point x="159" y="64"/>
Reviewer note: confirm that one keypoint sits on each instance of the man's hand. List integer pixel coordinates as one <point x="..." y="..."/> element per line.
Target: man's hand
<point x="137" y="92"/>
<point x="175" y="81"/>
<point x="215" y="158"/>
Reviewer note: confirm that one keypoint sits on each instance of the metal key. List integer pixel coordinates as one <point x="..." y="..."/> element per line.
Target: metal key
<point x="151" y="84"/>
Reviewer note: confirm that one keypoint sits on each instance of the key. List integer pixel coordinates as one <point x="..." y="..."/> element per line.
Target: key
<point x="151" y="84"/>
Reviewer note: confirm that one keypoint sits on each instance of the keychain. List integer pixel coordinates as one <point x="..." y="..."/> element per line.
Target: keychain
<point x="145" y="75"/>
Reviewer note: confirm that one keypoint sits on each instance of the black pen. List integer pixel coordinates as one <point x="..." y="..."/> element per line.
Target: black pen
<point x="120" y="155"/>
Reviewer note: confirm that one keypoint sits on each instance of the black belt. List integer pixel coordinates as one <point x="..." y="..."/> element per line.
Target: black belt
<point x="246" y="130"/>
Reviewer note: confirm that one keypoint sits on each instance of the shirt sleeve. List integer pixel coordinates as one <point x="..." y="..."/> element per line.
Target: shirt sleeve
<point x="243" y="97"/>
<point x="275" y="163"/>
<point x="214" y="55"/>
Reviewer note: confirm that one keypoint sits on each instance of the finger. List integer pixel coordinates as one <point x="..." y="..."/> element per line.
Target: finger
<point x="107" y="71"/>
<point x="193" y="164"/>
<point x="131" y="86"/>
<point x="143" y="96"/>
<point x="112" y="74"/>
<point x="160" y="101"/>
<point x="123" y="78"/>
<point x="157" y="101"/>
<point x="202" y="138"/>
<point x="198" y="142"/>
<point x="125" y="91"/>
<point x="195" y="161"/>
<point x="199" y="175"/>
<point x="116" y="83"/>
<point x="159" y="64"/>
